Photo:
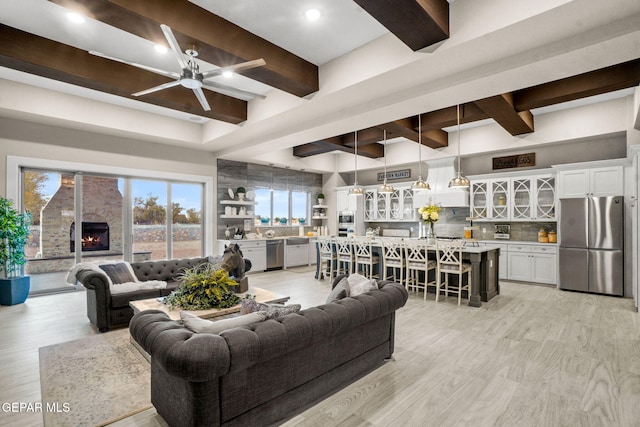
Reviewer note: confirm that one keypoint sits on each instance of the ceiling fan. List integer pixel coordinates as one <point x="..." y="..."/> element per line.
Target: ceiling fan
<point x="191" y="77"/>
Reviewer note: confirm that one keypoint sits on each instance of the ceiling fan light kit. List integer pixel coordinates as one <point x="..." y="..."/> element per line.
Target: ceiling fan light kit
<point x="191" y="77"/>
<point x="459" y="181"/>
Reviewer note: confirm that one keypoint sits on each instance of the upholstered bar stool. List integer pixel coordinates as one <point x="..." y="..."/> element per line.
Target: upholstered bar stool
<point x="449" y="258"/>
<point x="417" y="260"/>
<point x="344" y="252"/>
<point x="393" y="261"/>
<point x="326" y="248"/>
<point x="365" y="257"/>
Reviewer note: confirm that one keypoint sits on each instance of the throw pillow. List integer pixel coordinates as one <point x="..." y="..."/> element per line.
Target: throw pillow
<point x="277" y="310"/>
<point x="358" y="284"/>
<point x="339" y="292"/>
<point x="118" y="273"/>
<point x="198" y="325"/>
<point x="248" y="305"/>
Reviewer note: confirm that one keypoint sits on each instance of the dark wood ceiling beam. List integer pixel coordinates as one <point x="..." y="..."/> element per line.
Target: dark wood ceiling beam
<point x="500" y="108"/>
<point x="615" y="77"/>
<point x="404" y="127"/>
<point x="217" y="40"/>
<point x="417" y="23"/>
<point x="32" y="54"/>
<point x="365" y="137"/>
<point x="344" y="143"/>
<point x="447" y="117"/>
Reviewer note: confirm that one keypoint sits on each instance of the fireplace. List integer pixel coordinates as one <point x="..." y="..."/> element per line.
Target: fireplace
<point x="95" y="236"/>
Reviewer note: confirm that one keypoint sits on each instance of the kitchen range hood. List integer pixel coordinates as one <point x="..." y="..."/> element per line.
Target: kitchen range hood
<point x="440" y="173"/>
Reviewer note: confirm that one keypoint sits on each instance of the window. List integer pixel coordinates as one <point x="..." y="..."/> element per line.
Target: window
<point x="299" y="207"/>
<point x="281" y="207"/>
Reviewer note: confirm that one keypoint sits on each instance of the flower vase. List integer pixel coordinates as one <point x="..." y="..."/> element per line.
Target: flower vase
<point x="241" y="196"/>
<point x="431" y="235"/>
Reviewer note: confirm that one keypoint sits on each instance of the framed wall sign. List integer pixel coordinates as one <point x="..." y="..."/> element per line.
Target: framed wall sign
<point x="401" y="174"/>
<point x="516" y="161"/>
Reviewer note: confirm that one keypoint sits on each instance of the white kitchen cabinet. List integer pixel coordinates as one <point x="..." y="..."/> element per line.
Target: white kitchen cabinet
<point x="597" y="181"/>
<point x="342" y="200"/>
<point x="490" y="199"/>
<point x="532" y="263"/>
<point x="533" y="198"/>
<point x="389" y="207"/>
<point x="297" y="255"/>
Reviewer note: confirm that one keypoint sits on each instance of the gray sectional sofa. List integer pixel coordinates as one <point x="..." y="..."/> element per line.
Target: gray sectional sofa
<point x="266" y="372"/>
<point x="110" y="311"/>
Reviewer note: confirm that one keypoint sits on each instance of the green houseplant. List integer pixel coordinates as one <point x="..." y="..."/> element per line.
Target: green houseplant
<point x="14" y="231"/>
<point x="320" y="198"/>
<point x="204" y="287"/>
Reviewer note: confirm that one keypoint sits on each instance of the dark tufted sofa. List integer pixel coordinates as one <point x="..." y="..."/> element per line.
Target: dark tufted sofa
<point x="109" y="311"/>
<point x="267" y="372"/>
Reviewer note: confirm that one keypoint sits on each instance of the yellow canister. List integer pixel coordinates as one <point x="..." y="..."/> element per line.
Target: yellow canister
<point x="553" y="237"/>
<point x="543" y="237"/>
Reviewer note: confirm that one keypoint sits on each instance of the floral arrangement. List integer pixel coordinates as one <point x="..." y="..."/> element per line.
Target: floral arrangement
<point x="429" y="214"/>
<point x="203" y="287"/>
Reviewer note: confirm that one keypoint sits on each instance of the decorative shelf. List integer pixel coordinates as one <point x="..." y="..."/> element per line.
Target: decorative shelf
<point x="237" y="202"/>
<point x="319" y="217"/>
<point x="320" y="207"/>
<point x="238" y="216"/>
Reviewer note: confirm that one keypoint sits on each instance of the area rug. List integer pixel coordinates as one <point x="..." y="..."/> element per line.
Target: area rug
<point x="93" y="381"/>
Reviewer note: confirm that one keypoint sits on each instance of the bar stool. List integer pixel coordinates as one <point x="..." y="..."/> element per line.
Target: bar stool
<point x="365" y="256"/>
<point x="327" y="254"/>
<point x="417" y="259"/>
<point x="344" y="252"/>
<point x="449" y="259"/>
<point x="393" y="259"/>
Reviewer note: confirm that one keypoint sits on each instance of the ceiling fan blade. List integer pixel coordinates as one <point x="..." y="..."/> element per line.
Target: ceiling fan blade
<point x="174" y="46"/>
<point x="235" y="68"/>
<point x="203" y="101"/>
<point x="217" y="87"/>
<point x="157" y="88"/>
<point x="135" y="64"/>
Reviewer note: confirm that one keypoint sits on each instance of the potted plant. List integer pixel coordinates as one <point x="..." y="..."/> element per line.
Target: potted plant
<point x="204" y="287"/>
<point x="240" y="191"/>
<point x="320" y="198"/>
<point x="14" y="231"/>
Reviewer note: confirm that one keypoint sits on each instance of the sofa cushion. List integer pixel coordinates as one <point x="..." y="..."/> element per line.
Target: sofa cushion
<point x="119" y="272"/>
<point x="359" y="284"/>
<point x="196" y="324"/>
<point x="273" y="311"/>
<point x="339" y="291"/>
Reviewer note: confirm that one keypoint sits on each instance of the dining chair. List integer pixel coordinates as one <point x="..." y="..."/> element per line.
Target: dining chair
<point x="393" y="260"/>
<point x="365" y="257"/>
<point x="326" y="248"/>
<point x="449" y="262"/>
<point x="417" y="260"/>
<point x="344" y="252"/>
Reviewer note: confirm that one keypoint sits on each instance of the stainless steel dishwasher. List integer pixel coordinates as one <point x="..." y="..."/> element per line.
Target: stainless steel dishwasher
<point x="275" y="254"/>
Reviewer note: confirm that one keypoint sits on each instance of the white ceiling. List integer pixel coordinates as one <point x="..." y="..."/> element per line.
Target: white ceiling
<point x="367" y="76"/>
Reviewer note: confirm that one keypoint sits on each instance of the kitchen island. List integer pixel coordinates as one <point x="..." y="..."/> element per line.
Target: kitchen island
<point x="484" y="269"/>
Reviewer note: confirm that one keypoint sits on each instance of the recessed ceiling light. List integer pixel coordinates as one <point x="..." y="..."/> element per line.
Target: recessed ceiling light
<point x="75" y="17"/>
<point x="160" y="48"/>
<point x="228" y="74"/>
<point x="312" y="14"/>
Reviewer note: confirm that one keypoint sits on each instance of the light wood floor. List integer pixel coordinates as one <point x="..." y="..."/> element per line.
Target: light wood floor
<point x="533" y="356"/>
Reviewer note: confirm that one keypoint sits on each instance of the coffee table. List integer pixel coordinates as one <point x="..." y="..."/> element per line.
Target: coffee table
<point x="261" y="295"/>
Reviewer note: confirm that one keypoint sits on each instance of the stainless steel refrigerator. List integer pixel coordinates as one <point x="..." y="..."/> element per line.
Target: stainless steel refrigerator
<point x="592" y="244"/>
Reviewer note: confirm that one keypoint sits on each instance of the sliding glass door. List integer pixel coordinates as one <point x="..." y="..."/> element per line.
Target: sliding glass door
<point x="86" y="218"/>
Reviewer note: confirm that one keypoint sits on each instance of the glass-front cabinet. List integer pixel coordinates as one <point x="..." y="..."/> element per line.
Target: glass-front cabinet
<point x="395" y="206"/>
<point x="521" y="198"/>
<point x="479" y="199"/>
<point x="545" y="197"/>
<point x="500" y="199"/>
